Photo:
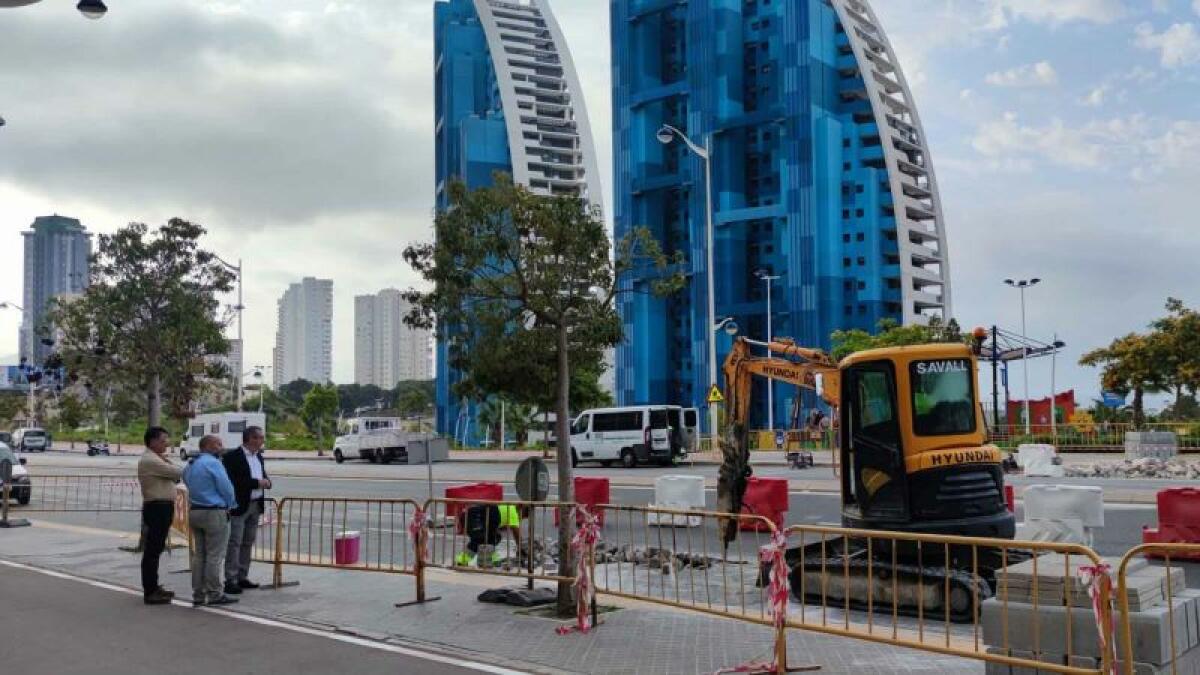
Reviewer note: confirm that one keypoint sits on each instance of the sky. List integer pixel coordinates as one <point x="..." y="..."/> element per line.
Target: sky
<point x="1065" y="136"/>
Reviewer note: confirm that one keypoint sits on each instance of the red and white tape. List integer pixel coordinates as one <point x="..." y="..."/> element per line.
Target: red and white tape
<point x="583" y="548"/>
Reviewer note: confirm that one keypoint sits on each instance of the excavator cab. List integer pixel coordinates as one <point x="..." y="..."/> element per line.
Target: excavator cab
<point x="913" y="445"/>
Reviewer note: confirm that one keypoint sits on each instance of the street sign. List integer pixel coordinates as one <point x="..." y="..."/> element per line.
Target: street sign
<point x="779" y="440"/>
<point x="6" y="470"/>
<point x="1112" y="399"/>
<point x="714" y="395"/>
<point x="533" y="480"/>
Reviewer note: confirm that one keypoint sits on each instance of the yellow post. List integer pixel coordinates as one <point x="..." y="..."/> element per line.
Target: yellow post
<point x="277" y="572"/>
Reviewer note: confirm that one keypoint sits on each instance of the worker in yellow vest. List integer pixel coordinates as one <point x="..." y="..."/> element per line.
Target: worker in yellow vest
<point x="485" y="524"/>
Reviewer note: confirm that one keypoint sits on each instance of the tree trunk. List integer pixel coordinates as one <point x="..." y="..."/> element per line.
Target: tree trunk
<point x="1139" y="415"/>
<point x="566" y="483"/>
<point x="546" y="427"/>
<point x="154" y="401"/>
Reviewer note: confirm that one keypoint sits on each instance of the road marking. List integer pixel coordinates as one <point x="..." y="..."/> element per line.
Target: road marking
<point x="262" y="621"/>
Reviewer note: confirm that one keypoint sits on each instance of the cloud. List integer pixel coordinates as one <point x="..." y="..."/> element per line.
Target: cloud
<point x="1178" y="45"/>
<point x="1196" y="6"/>
<point x="1040" y="74"/>
<point x="1095" y="97"/>
<point x="1055" y="143"/>
<point x="1004" y="12"/>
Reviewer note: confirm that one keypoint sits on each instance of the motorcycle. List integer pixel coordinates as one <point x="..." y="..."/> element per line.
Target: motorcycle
<point x="97" y="448"/>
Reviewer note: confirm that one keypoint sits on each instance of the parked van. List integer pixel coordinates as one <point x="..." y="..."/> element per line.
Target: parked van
<point x="632" y="435"/>
<point x="689" y="423"/>
<point x="228" y="426"/>
<point x="31" y="439"/>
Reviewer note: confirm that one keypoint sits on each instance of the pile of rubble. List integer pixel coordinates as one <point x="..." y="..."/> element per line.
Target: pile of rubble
<point x="655" y="559"/>
<point x="1146" y="467"/>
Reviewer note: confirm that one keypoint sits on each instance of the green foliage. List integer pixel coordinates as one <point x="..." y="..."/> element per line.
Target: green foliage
<point x="517" y="418"/>
<point x="891" y="334"/>
<point x="1133" y="363"/>
<point x="320" y="409"/>
<point x="71" y="411"/>
<point x="11" y="405"/>
<point x="414" y="397"/>
<point x="150" y="315"/>
<point x="295" y="390"/>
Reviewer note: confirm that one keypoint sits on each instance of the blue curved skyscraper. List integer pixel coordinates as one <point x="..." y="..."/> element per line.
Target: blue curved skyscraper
<point x="507" y="99"/>
<point x="821" y="176"/>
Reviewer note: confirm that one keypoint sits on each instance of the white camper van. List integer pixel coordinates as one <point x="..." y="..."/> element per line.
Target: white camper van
<point x="632" y="435"/>
<point x="228" y="426"/>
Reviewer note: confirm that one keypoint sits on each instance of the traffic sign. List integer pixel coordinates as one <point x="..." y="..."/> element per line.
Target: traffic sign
<point x="714" y="395"/>
<point x="779" y="440"/>
<point x="533" y="480"/>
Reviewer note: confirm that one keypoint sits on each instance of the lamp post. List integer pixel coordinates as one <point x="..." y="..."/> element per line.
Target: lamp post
<point x="769" y="279"/>
<point x="29" y="360"/>
<point x="241" y="343"/>
<point x="1022" y="285"/>
<point x="665" y="135"/>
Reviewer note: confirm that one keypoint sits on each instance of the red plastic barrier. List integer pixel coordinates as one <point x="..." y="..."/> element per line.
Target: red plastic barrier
<point x="767" y="497"/>
<point x="1010" y="498"/>
<point x="590" y="492"/>
<point x="487" y="492"/>
<point x="1178" y="520"/>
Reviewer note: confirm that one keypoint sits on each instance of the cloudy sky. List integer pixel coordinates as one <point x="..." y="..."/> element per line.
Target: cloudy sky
<point x="1066" y="136"/>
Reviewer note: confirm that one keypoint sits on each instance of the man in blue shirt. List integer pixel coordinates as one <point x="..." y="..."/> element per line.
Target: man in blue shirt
<point x="211" y="497"/>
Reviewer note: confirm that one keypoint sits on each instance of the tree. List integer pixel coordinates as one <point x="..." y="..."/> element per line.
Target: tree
<point x="515" y="418"/>
<point x="295" y="391"/>
<point x="150" y="315"/>
<point x="320" y="408"/>
<point x="892" y="334"/>
<point x="506" y="262"/>
<point x="352" y="397"/>
<point x="1179" y="333"/>
<point x="1134" y="363"/>
<point x="71" y="411"/>
<point x="414" y="398"/>
<point x="11" y="405"/>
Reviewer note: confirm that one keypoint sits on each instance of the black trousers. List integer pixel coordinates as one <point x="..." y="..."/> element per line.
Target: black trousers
<point x="156" y="518"/>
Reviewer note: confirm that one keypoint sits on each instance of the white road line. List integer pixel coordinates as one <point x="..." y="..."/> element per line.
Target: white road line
<point x="349" y="639"/>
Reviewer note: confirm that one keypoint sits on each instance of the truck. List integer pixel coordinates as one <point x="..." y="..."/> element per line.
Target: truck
<point x="379" y="440"/>
<point x="228" y="426"/>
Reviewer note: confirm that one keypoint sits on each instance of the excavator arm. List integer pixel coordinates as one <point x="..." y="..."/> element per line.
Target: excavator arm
<point x="789" y="363"/>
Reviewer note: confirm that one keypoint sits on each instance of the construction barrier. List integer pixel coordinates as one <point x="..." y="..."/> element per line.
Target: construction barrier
<point x="504" y="538"/>
<point x="1090" y="436"/>
<point x="1159" y="628"/>
<point x="1178" y="519"/>
<point x="766" y="497"/>
<point x="1062" y="513"/>
<point x="590" y="491"/>
<point x="82" y="493"/>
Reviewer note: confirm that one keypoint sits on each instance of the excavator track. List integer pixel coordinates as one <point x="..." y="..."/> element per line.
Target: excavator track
<point x="908" y="580"/>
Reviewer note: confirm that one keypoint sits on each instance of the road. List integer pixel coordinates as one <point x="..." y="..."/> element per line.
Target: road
<point x="109" y="631"/>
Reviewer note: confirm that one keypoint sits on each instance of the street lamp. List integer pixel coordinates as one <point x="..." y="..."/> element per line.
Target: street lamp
<point x="768" y="279"/>
<point x="30" y="350"/>
<point x="666" y="134"/>
<point x="1022" y="285"/>
<point x="241" y="343"/>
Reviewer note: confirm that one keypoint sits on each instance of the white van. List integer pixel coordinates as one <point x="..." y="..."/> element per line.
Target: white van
<point x="632" y="435"/>
<point x="228" y="426"/>
<point x="31" y="439"/>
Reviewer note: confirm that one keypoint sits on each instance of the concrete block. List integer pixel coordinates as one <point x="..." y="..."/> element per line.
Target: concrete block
<point x="1151" y="630"/>
<point x="1043" y="628"/>
<point x="1156" y="444"/>
<point x="1065" y="502"/>
<point x="1039" y="460"/>
<point x="677" y="492"/>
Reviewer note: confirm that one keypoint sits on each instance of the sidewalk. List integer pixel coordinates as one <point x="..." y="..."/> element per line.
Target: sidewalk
<point x="638" y="638"/>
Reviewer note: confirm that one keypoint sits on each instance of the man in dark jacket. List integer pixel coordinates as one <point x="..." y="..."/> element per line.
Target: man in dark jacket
<point x="248" y="473"/>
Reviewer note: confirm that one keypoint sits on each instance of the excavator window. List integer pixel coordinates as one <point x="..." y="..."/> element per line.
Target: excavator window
<point x="876" y="413"/>
<point x="943" y="397"/>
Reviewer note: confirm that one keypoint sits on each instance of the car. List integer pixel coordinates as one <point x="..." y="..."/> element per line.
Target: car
<point x="22" y="488"/>
<point x="31" y="439"/>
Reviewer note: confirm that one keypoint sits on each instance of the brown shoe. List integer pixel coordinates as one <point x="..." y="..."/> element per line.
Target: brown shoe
<point x="163" y="591"/>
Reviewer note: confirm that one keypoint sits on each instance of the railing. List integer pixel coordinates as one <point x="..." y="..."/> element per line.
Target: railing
<point x="1090" y="436"/>
<point x="1179" y="650"/>
<point x="1042" y="606"/>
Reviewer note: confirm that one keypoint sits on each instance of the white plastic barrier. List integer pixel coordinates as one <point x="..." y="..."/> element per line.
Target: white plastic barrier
<point x="1062" y="513"/>
<point x="1039" y="460"/>
<point x="677" y="492"/>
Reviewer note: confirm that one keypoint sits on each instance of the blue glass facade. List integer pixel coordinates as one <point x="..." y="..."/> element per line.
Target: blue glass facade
<point x="471" y="144"/>
<point x="803" y="184"/>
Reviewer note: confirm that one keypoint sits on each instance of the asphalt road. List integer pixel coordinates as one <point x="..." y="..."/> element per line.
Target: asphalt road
<point x="58" y="625"/>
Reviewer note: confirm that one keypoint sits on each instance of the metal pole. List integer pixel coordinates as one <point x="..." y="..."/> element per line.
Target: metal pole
<point x="1025" y="360"/>
<point x="996" y="378"/>
<point x="242" y="345"/>
<point x="502" y="430"/>
<point x="31" y="403"/>
<point x="770" y="381"/>
<point x="1053" y="393"/>
<point x="712" y="292"/>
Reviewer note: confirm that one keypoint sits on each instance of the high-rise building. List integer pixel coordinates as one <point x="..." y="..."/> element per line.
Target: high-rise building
<point x="304" y="338"/>
<point x="385" y="350"/>
<point x="56" y="264"/>
<point x="821" y="174"/>
<point x="506" y="99"/>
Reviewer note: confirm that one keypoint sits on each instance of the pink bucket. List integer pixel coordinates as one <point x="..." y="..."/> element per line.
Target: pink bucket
<point x="346" y="548"/>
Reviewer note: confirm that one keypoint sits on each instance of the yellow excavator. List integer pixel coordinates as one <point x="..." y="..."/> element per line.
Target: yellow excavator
<point x="914" y="459"/>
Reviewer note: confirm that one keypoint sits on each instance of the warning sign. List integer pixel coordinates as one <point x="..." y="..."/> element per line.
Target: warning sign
<point x="714" y="395"/>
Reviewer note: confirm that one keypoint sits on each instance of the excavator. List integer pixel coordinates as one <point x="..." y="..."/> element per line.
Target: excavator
<point x="913" y="459"/>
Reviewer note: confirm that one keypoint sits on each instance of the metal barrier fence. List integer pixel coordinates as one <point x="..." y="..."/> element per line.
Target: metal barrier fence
<point x="1033" y="605"/>
<point x="1180" y="650"/>
<point x="970" y="597"/>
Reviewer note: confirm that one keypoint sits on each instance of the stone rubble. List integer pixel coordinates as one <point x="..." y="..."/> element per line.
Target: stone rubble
<point x="1146" y="467"/>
